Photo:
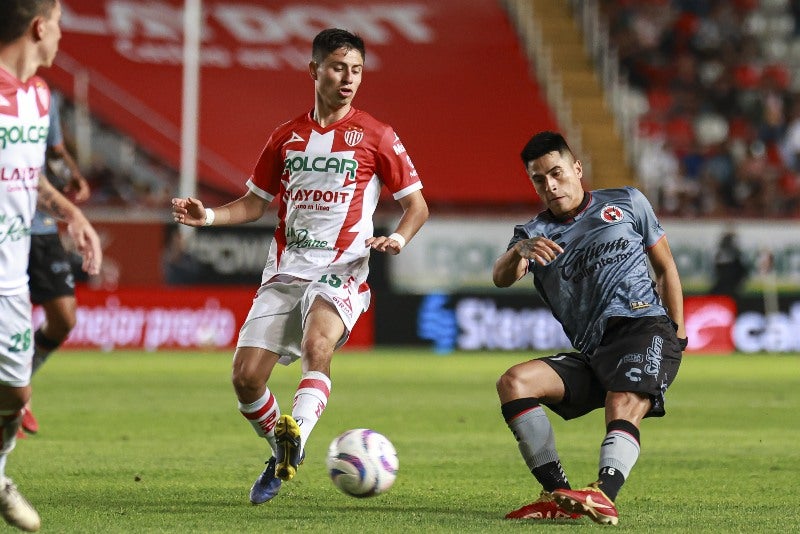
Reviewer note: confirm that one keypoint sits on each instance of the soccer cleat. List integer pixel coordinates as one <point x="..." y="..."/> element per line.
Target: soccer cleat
<point x="266" y="485"/>
<point x="15" y="509"/>
<point x="29" y="422"/>
<point x="589" y="501"/>
<point x="545" y="507"/>
<point x="289" y="454"/>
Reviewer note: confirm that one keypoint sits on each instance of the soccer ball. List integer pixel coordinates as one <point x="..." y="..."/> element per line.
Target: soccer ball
<point x="362" y="463"/>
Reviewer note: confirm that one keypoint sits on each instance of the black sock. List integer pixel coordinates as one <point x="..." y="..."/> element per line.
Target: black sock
<point x="42" y="347"/>
<point x="551" y="476"/>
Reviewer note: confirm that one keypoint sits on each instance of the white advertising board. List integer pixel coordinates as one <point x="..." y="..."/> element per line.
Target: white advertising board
<point x="456" y="254"/>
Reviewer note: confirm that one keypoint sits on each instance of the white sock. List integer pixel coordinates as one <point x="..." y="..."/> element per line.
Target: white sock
<point x="310" y="401"/>
<point x="262" y="415"/>
<point x="620" y="450"/>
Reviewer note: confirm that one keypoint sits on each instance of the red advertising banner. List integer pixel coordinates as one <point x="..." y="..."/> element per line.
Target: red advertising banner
<point x="710" y="321"/>
<point x="132" y="254"/>
<point x="449" y="76"/>
<point x="161" y="318"/>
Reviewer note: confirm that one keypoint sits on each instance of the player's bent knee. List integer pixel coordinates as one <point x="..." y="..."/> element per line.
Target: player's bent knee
<point x="629" y="406"/>
<point x="510" y="383"/>
<point x="246" y="384"/>
<point x="318" y="351"/>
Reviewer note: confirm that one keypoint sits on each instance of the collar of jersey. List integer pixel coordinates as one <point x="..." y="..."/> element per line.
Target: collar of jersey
<point x="587" y="197"/>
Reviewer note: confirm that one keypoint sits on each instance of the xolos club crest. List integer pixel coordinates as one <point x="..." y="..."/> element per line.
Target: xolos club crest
<point x="611" y="214"/>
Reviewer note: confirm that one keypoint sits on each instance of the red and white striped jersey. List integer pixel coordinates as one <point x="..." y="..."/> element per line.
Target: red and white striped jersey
<point x="328" y="181"/>
<point x="24" y="122"/>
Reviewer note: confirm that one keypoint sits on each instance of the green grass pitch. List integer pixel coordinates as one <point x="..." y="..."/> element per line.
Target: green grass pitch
<point x="152" y="442"/>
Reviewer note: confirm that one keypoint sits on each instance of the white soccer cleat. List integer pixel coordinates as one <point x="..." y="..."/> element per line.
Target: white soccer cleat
<point x="15" y="509"/>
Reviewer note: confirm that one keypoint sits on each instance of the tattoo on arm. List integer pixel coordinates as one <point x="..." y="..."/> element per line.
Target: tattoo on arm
<point x="51" y="202"/>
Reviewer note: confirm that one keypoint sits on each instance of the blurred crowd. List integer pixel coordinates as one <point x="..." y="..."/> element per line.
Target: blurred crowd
<point x="119" y="172"/>
<point x="717" y="88"/>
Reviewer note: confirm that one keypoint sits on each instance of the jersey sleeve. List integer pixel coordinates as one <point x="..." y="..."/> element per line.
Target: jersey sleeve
<point x="520" y="233"/>
<point x="646" y="222"/>
<point x="266" y="178"/>
<point x="394" y="166"/>
<point x="54" y="135"/>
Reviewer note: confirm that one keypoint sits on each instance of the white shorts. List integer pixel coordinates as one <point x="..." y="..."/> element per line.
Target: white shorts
<point x="16" y="340"/>
<point x="276" y="318"/>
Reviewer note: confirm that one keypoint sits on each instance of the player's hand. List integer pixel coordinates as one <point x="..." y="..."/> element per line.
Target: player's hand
<point x="384" y="244"/>
<point x="87" y="242"/>
<point x="78" y="188"/>
<point x="188" y="211"/>
<point x="539" y="249"/>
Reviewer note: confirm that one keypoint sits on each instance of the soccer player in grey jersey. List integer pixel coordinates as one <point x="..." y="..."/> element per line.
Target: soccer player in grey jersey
<point x="589" y="253"/>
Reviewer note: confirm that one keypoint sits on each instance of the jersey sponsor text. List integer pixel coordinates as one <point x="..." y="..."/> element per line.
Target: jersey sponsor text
<point x="323" y="163"/>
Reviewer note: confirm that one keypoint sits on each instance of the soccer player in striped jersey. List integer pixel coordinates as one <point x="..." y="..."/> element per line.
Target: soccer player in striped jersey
<point x="326" y="168"/>
<point x="588" y="253"/>
<point x="29" y="35"/>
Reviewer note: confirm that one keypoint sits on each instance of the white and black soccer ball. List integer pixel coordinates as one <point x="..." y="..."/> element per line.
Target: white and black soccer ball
<point x="362" y="463"/>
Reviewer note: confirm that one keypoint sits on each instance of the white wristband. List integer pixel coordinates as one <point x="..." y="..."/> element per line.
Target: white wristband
<point x="210" y="216"/>
<point x="400" y="239"/>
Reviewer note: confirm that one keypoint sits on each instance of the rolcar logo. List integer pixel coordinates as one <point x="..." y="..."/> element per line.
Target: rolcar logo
<point x="331" y="164"/>
<point x="22" y="134"/>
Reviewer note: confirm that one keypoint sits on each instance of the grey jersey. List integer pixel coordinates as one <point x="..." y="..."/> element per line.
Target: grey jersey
<point x="42" y="223"/>
<point x="603" y="271"/>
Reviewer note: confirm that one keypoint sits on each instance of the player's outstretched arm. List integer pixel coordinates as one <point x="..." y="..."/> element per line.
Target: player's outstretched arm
<point x="188" y="211"/>
<point x="80" y="230"/>
<point x="668" y="282"/>
<point x="191" y="212"/>
<point x="509" y="268"/>
<point x="415" y="213"/>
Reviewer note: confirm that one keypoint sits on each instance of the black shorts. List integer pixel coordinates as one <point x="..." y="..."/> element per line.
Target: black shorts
<point x="49" y="269"/>
<point x="640" y="355"/>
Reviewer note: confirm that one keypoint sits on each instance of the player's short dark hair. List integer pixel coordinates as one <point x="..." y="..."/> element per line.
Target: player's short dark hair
<point x="543" y="143"/>
<point x="333" y="39"/>
<point x="16" y="16"/>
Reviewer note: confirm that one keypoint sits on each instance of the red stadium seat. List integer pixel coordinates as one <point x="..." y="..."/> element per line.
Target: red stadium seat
<point x="747" y="76"/>
<point x="778" y="74"/>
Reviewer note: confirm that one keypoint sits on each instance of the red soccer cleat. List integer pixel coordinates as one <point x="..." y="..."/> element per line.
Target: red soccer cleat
<point x="545" y="507"/>
<point x="589" y="501"/>
<point x="29" y="422"/>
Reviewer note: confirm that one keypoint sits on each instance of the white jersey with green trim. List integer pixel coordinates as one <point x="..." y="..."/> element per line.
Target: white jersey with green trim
<point x="24" y="122"/>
